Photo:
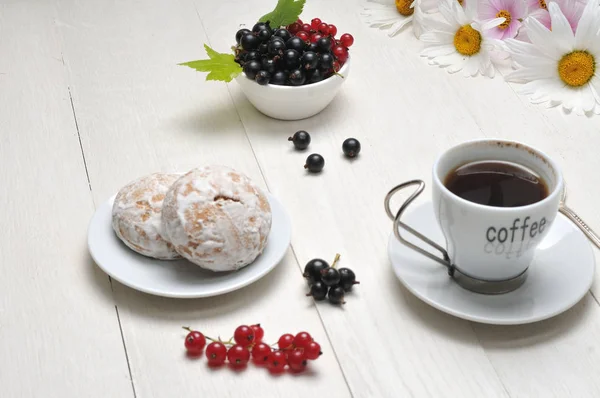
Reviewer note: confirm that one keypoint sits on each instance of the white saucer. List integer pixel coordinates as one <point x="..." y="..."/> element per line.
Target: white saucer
<point x="560" y="275"/>
<point x="181" y="279"/>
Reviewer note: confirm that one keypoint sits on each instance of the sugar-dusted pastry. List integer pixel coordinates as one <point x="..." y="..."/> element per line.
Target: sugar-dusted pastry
<point x="217" y="218"/>
<point x="136" y="215"/>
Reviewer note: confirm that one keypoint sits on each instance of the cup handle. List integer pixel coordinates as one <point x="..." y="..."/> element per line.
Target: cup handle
<point x="445" y="260"/>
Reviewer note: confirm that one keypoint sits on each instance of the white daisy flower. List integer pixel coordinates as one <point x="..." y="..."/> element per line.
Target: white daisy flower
<point x="460" y="42"/>
<point x="393" y="15"/>
<point x="558" y="66"/>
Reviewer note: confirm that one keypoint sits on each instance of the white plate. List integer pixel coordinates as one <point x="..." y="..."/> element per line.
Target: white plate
<point x="181" y="279"/>
<point x="560" y="275"/>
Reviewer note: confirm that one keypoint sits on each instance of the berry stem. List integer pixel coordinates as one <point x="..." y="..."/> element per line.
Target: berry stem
<point x="335" y="260"/>
<point x="339" y="74"/>
<point x="187" y="328"/>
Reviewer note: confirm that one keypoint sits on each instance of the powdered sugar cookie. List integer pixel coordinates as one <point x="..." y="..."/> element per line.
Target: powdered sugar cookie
<point x="217" y="218"/>
<point x="136" y="215"/>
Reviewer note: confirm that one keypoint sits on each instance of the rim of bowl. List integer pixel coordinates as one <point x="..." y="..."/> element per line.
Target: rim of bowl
<point x="322" y="82"/>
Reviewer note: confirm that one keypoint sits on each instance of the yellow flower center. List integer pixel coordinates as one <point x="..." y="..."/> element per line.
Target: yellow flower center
<point x="403" y="7"/>
<point x="543" y="4"/>
<point x="577" y="68"/>
<point x="467" y="40"/>
<point x="506" y="15"/>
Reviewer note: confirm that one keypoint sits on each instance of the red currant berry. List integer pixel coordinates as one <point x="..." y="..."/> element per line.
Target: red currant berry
<point x="306" y="27"/>
<point x="324" y="28"/>
<point x="299" y="21"/>
<point x="276" y="361"/>
<point x="302" y="340"/>
<point x="315" y="38"/>
<point x="315" y="23"/>
<point x="337" y="66"/>
<point x="244" y="335"/>
<point x="332" y="30"/>
<point x="195" y="342"/>
<point x="347" y="40"/>
<point x="216" y="353"/>
<point x="297" y="360"/>
<point x="238" y="355"/>
<point x="259" y="333"/>
<point x="294" y="28"/>
<point x="260" y="353"/>
<point x="303" y="35"/>
<point x="341" y="53"/>
<point x="285" y="341"/>
<point x="312" y="350"/>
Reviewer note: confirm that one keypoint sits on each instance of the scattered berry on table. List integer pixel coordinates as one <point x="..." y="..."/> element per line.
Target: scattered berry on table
<point x="216" y="353"/>
<point x="318" y="291"/>
<point x="259" y="332"/>
<point x="312" y="350"/>
<point x="312" y="270"/>
<point x="347" y="279"/>
<point x="244" y="335"/>
<point x="351" y="147"/>
<point x="330" y="276"/>
<point x="302" y="339"/>
<point x="238" y="355"/>
<point x="300" y="139"/>
<point x="336" y="295"/>
<point x="260" y="353"/>
<point x="195" y="342"/>
<point x="276" y="361"/>
<point x="314" y="163"/>
<point x="297" y="360"/>
<point x="286" y="341"/>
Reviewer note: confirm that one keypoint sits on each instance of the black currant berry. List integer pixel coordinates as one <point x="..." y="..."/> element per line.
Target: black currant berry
<point x="314" y="47"/>
<point x="268" y="65"/>
<point x="330" y="276"/>
<point x="261" y="26"/>
<point x="318" y="291"/>
<point x="312" y="270"/>
<point x="263" y="77"/>
<point x="314" y="163"/>
<point x="283" y="33"/>
<point x="301" y="139"/>
<point x="263" y="48"/>
<point x="249" y="42"/>
<point x="276" y="47"/>
<point x="324" y="44"/>
<point x="279" y="78"/>
<point x="240" y="33"/>
<point x="336" y="295"/>
<point x="264" y="35"/>
<point x="295" y="43"/>
<point x="291" y="59"/>
<point x="326" y="61"/>
<point x="309" y="60"/>
<point x="351" y="147"/>
<point x="297" y="77"/>
<point x="252" y="55"/>
<point x="251" y="68"/>
<point x="347" y="279"/>
<point x="315" y="76"/>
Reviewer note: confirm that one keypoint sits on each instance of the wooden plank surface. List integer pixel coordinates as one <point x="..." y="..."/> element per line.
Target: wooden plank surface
<point x="137" y="112"/>
<point x="59" y="333"/>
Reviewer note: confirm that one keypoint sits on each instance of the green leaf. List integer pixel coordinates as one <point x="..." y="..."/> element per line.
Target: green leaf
<point x="221" y="67"/>
<point x="285" y="13"/>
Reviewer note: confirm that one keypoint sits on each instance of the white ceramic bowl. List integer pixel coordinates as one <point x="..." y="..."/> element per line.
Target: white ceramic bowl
<point x="293" y="102"/>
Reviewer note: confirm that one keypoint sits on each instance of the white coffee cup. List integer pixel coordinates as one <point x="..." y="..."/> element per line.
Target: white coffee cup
<point x="488" y="249"/>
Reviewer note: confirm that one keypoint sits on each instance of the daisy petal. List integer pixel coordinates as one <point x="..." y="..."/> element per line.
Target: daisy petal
<point x="561" y="28"/>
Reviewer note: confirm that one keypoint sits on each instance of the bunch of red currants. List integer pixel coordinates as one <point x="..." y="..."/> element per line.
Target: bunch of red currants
<point x="247" y="342"/>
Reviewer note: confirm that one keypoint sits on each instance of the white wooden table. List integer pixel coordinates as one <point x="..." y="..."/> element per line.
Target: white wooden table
<point x="91" y="98"/>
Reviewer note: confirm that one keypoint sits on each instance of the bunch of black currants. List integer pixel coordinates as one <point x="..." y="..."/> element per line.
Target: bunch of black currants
<point x="277" y="56"/>
<point x="327" y="281"/>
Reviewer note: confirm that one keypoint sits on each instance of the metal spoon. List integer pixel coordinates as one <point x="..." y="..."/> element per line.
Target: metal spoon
<point x="571" y="215"/>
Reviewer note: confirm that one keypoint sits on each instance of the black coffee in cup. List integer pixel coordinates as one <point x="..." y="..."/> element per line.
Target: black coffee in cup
<point x="498" y="184"/>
